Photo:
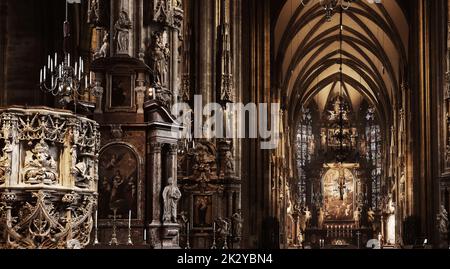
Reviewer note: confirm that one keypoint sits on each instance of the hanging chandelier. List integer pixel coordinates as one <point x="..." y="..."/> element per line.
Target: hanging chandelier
<point x="330" y="6"/>
<point x="66" y="80"/>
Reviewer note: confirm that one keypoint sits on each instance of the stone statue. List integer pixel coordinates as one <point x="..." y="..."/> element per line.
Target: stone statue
<point x="228" y="163"/>
<point x="94" y="11"/>
<point x="171" y="195"/>
<point x="237" y="224"/>
<point x="223" y="227"/>
<point x="104" y="49"/>
<point x="40" y="166"/>
<point x="442" y="219"/>
<point x="122" y="28"/>
<point x="160" y="56"/>
<point x="5" y="163"/>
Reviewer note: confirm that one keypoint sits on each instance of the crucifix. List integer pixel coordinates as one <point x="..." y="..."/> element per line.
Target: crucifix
<point x="340" y="167"/>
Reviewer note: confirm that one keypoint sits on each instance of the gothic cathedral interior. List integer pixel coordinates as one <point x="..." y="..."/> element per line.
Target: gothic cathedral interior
<point x="227" y="124"/>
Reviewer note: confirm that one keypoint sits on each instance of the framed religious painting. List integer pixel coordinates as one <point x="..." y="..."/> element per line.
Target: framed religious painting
<point x="203" y="211"/>
<point x="120" y="96"/>
<point x="118" y="182"/>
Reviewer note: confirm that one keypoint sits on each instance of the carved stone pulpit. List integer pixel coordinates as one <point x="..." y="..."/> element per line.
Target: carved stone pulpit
<point x="48" y="178"/>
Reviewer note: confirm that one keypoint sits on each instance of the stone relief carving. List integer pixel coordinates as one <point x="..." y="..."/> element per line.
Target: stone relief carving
<point x="171" y="196"/>
<point x="40" y="166"/>
<point x="122" y="29"/>
<point x="56" y="149"/>
<point x="5" y="162"/>
<point x="41" y="225"/>
<point x="204" y="158"/>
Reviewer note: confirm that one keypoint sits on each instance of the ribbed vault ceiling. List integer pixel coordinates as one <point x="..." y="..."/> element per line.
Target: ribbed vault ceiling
<point x="308" y="52"/>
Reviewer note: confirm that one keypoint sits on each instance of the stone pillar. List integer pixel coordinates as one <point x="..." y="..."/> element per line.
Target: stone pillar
<point x="173" y="161"/>
<point x="206" y="49"/>
<point x="154" y="176"/>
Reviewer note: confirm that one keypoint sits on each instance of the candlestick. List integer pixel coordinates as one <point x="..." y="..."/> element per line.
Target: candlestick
<point x="130" y="242"/>
<point x="129" y="219"/>
<point x="214" y="246"/>
<point x="114" y="241"/>
<point x="188" y="244"/>
<point x="96" y="242"/>
<point x="56" y="59"/>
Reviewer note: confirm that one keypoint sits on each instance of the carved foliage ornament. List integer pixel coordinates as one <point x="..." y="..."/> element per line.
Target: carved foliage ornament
<point x="46" y="223"/>
<point x="168" y="12"/>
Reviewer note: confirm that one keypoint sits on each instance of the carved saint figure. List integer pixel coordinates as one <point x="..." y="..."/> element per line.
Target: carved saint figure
<point x="40" y="166"/>
<point x="5" y="163"/>
<point x="224" y="227"/>
<point x="94" y="11"/>
<point x="104" y="49"/>
<point x="160" y="56"/>
<point x="237" y="224"/>
<point x="442" y="219"/>
<point x="171" y="195"/>
<point x="122" y="28"/>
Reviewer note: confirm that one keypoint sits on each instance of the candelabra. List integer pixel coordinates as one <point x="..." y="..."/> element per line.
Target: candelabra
<point x="66" y="79"/>
<point x="114" y="241"/>
<point x="214" y="245"/>
<point x="330" y="6"/>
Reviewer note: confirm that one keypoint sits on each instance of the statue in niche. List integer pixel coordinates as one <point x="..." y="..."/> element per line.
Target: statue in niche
<point x="5" y="162"/>
<point x="224" y="227"/>
<point x="40" y="166"/>
<point x="94" y="11"/>
<point x="104" y="49"/>
<point x="160" y="57"/>
<point x="228" y="163"/>
<point x="442" y="219"/>
<point x="237" y="224"/>
<point x="171" y="196"/>
<point x="122" y="29"/>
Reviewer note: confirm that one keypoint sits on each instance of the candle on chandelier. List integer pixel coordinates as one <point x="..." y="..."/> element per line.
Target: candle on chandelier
<point x="129" y="219"/>
<point x="145" y="235"/>
<point x="76" y="68"/>
<point x="56" y="59"/>
<point x="45" y="72"/>
<point x="85" y="80"/>
<point x="60" y="71"/>
<point x="51" y="65"/>
<point x="96" y="219"/>
<point x="40" y="76"/>
<point x="68" y="59"/>
<point x="48" y="62"/>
